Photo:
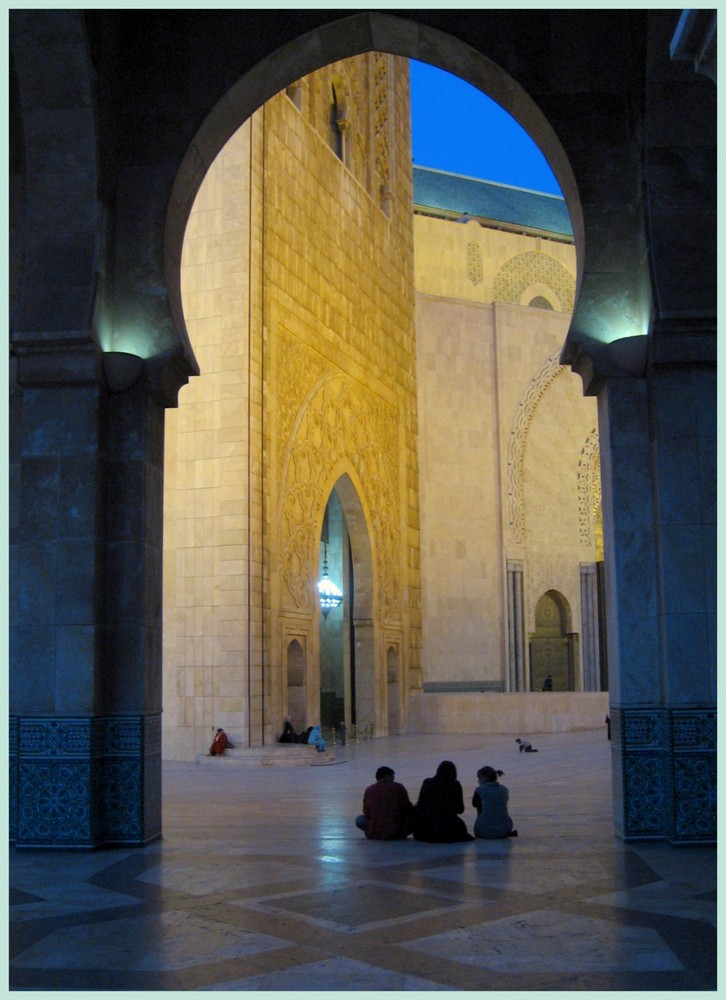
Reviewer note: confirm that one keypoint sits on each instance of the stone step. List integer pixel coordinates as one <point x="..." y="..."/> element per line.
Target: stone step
<point x="274" y="755"/>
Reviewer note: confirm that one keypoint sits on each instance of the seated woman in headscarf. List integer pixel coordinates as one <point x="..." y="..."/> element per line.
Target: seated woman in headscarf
<point x="288" y="733"/>
<point x="439" y="807"/>
<point x="490" y="801"/>
<point x="219" y="744"/>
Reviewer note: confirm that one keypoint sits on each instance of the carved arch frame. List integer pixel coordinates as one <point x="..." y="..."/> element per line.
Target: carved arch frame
<point x="342" y="430"/>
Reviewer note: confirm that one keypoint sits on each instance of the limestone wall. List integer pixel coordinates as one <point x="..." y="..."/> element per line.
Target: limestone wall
<point x="508" y="445"/>
<point x="298" y="293"/>
<point x="522" y="714"/>
<point x="212" y="472"/>
<point x="339" y="348"/>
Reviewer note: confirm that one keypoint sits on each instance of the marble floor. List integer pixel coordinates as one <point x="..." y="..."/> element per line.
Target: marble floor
<point x="263" y="882"/>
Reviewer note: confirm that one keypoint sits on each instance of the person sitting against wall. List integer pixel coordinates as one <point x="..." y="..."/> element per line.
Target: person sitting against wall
<point x="316" y="740"/>
<point x="437" y="814"/>
<point x="491" y="803"/>
<point x="386" y="808"/>
<point x="219" y="744"/>
<point x="288" y="732"/>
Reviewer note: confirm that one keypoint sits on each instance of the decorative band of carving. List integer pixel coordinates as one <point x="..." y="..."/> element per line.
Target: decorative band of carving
<point x="694" y="729"/>
<point x="589" y="491"/>
<point x="340" y="425"/>
<point x="518" y="441"/>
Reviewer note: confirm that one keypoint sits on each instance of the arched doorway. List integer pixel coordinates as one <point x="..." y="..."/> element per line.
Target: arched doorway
<point x="348" y="634"/>
<point x="552" y="646"/>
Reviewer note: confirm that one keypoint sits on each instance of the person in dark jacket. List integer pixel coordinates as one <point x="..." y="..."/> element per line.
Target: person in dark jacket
<point x="490" y="801"/>
<point x="437" y="815"/>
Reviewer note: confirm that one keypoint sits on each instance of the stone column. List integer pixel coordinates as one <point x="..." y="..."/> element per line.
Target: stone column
<point x="85" y="652"/>
<point x="365" y="669"/>
<point x="657" y="450"/>
<point x="590" y="627"/>
<point x="515" y="616"/>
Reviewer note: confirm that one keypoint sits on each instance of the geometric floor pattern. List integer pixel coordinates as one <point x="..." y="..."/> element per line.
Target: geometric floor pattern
<point x="262" y="882"/>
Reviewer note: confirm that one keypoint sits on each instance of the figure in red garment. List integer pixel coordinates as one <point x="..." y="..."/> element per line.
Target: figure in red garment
<point x="219" y="744"/>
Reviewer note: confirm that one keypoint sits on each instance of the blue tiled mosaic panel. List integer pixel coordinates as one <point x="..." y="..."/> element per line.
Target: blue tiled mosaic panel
<point x="13" y="778"/>
<point x="695" y="794"/>
<point x="665" y="774"/>
<point x="82" y="782"/>
<point x="54" y="805"/>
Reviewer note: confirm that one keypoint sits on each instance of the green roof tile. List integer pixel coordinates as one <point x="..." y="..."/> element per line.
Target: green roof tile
<point x="441" y="191"/>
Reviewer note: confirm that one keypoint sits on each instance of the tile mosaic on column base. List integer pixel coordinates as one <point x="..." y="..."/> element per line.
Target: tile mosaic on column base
<point x="664" y="773"/>
<point x="84" y="782"/>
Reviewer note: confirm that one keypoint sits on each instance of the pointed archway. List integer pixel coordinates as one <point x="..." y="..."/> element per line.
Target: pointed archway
<point x="348" y="687"/>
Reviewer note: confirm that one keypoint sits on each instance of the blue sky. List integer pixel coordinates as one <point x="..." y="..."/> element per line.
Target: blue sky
<point x="458" y="128"/>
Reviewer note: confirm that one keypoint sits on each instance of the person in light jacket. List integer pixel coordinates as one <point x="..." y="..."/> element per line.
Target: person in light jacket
<point x="491" y="800"/>
<point x="316" y="740"/>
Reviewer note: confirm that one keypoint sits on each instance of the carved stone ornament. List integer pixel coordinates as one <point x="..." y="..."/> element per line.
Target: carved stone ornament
<point x="341" y="425"/>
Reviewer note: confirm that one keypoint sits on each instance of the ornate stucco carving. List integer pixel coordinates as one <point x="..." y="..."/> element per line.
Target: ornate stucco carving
<point x="544" y="378"/>
<point x="588" y="487"/>
<point x="337" y="424"/>
<point x="474" y="268"/>
<point x="525" y="269"/>
<point x="381" y="118"/>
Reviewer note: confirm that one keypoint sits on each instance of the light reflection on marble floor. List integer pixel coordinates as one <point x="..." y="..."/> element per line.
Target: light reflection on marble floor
<point x="262" y="882"/>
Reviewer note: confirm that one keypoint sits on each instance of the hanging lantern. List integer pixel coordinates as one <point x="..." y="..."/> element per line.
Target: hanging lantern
<point x="330" y="596"/>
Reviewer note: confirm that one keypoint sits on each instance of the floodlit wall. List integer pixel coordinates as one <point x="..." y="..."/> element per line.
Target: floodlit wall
<point x="508" y="446"/>
<point x="298" y="292"/>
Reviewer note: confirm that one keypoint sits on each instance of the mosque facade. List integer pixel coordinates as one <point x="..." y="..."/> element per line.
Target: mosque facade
<point x="496" y="436"/>
<point x="473" y="444"/>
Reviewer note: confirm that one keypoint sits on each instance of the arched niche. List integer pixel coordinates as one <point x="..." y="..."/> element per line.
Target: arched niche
<point x="296" y="685"/>
<point x="552" y="645"/>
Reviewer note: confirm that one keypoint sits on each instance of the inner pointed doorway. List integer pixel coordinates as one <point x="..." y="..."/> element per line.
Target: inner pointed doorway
<point x="553" y="646"/>
<point x="347" y="671"/>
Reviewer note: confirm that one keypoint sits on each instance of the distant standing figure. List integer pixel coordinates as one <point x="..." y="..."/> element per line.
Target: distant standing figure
<point x="219" y="744"/>
<point x="547" y="686"/>
<point x="527" y="747"/>
<point x="386" y="808"/>
<point x="437" y="814"/>
<point x="493" y="821"/>
<point x="316" y="740"/>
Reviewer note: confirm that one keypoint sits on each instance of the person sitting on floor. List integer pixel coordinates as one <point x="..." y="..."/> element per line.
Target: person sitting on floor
<point x="288" y="733"/>
<point x="219" y="744"/>
<point x="437" y="814"/>
<point x="386" y="808"/>
<point x="490" y="801"/>
<point x="527" y="747"/>
<point x="316" y="740"/>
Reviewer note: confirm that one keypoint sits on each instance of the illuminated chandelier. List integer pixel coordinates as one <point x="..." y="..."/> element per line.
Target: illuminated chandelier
<point x="330" y="596"/>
